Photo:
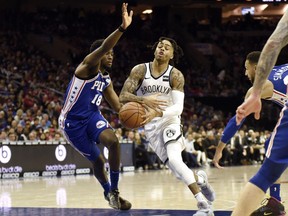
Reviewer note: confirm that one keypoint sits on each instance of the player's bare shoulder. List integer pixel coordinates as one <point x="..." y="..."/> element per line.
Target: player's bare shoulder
<point x="138" y="72"/>
<point x="177" y="80"/>
<point x="136" y="76"/>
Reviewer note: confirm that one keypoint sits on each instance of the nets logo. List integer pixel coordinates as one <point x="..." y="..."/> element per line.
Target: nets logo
<point x="170" y="133"/>
<point x="5" y="154"/>
<point x="60" y="153"/>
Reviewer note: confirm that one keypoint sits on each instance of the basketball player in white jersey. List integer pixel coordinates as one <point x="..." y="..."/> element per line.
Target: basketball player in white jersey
<point x="160" y="88"/>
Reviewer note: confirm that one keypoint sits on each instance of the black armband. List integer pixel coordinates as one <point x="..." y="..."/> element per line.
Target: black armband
<point x="121" y="29"/>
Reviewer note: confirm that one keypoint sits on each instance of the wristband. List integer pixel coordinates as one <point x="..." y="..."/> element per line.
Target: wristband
<point x="121" y="29"/>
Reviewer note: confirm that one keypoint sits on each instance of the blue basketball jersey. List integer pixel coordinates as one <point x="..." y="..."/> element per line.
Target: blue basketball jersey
<point x="276" y="145"/>
<point x="81" y="120"/>
<point x="83" y="97"/>
<point x="279" y="78"/>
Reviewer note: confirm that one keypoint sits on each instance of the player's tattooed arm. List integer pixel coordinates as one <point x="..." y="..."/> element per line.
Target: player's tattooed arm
<point x="131" y="84"/>
<point x="270" y="52"/>
<point x="177" y="80"/>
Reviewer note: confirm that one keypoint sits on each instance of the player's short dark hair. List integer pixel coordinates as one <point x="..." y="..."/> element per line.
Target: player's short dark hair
<point x="178" y="52"/>
<point x="253" y="57"/>
<point x="96" y="44"/>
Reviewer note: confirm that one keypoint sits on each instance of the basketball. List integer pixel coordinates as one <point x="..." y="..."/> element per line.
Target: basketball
<point x="130" y="115"/>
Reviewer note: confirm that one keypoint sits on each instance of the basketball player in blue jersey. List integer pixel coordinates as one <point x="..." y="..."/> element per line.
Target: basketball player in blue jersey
<point x="275" y="90"/>
<point x="277" y="152"/>
<point x="160" y="88"/>
<point x="81" y="120"/>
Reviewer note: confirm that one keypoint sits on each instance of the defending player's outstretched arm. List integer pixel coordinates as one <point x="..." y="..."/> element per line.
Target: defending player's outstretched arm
<point x="92" y="60"/>
<point x="229" y="131"/>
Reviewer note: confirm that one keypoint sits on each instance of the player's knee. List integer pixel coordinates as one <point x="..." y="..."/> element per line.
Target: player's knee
<point x="112" y="142"/>
<point x="267" y="174"/>
<point x="173" y="160"/>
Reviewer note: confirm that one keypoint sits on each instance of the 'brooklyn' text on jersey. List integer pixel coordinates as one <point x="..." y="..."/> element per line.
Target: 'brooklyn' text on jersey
<point x="155" y="89"/>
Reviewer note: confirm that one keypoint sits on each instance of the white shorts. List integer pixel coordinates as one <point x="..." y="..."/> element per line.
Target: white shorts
<point x="162" y="132"/>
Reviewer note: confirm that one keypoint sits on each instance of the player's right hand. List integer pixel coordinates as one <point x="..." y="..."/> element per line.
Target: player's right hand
<point x="126" y="18"/>
<point x="150" y="114"/>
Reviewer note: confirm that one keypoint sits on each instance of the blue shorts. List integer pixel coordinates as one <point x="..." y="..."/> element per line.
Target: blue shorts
<point x="277" y="145"/>
<point x="83" y="135"/>
<point x="268" y="174"/>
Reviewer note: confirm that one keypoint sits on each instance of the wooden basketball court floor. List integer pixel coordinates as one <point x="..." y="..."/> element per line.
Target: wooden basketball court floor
<point x="151" y="193"/>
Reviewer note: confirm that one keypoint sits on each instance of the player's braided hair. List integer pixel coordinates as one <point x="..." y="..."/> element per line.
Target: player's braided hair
<point x="253" y="57"/>
<point x="178" y="52"/>
<point x="96" y="44"/>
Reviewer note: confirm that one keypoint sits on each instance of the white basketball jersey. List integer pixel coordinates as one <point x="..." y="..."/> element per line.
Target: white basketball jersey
<point x="156" y="131"/>
<point x="154" y="85"/>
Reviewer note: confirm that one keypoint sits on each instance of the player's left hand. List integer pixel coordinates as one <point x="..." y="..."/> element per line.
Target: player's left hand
<point x="126" y="18"/>
<point x="150" y="114"/>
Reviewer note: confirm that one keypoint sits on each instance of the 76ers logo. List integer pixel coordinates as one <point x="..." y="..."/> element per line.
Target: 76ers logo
<point x="170" y="133"/>
<point x="100" y="124"/>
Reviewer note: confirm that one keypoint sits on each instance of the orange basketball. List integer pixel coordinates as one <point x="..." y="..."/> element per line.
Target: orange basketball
<point x="130" y="115"/>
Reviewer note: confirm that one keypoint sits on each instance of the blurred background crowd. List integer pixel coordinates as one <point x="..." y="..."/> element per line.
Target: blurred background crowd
<point x="40" y="49"/>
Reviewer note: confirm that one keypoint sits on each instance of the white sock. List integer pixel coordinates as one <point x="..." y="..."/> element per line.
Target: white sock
<point x="200" y="197"/>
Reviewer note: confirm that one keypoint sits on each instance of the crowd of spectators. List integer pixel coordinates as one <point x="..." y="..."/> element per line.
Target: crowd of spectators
<point x="80" y="27"/>
<point x="32" y="83"/>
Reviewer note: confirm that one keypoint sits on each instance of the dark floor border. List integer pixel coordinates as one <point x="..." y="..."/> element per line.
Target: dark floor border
<point x="22" y="211"/>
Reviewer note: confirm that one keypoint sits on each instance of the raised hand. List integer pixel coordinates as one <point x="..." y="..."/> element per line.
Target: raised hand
<point x="126" y="18"/>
